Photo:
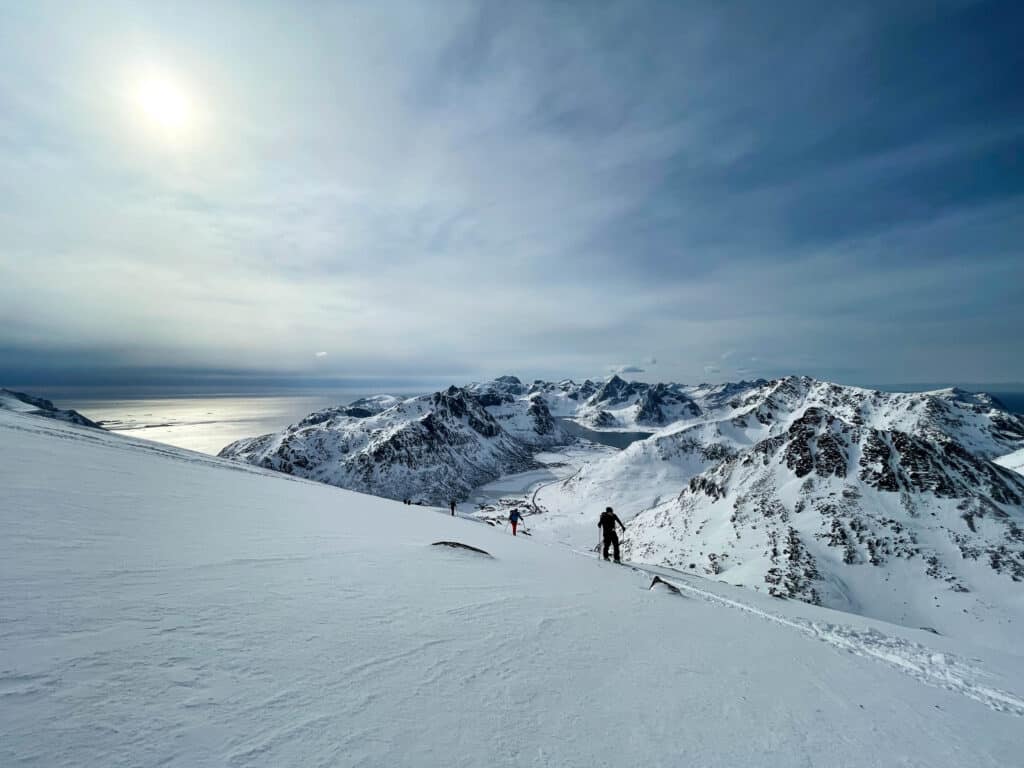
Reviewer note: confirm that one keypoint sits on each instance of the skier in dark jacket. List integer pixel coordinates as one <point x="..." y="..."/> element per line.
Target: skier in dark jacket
<point x="452" y="505"/>
<point x="611" y="537"/>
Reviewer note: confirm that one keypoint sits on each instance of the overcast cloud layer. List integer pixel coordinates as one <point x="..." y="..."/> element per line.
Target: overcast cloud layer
<point x="688" y="191"/>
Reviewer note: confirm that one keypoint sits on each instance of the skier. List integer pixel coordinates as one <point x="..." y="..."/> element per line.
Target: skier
<point x="514" y="517"/>
<point x="452" y="505"/>
<point x="607" y="526"/>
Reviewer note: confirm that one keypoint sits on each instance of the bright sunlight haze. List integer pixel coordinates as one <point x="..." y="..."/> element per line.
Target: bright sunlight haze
<point x="164" y="105"/>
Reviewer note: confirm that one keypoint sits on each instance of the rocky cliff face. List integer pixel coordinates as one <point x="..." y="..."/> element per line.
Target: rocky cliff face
<point x="636" y="405"/>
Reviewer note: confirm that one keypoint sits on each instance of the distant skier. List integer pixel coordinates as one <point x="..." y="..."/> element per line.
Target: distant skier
<point x="611" y="537"/>
<point x="452" y="505"/>
<point x="514" y="517"/>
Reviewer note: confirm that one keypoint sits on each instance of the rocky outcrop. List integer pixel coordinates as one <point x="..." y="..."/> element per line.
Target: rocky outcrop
<point x="662" y="404"/>
<point x="616" y="391"/>
<point x="38" y="406"/>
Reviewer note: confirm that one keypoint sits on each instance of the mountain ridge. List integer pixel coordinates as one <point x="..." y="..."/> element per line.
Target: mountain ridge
<point x="429" y="448"/>
<point x="802" y="488"/>
<point x="39" y="406"/>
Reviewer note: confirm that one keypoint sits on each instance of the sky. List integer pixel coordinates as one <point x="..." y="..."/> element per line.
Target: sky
<point x="300" y="193"/>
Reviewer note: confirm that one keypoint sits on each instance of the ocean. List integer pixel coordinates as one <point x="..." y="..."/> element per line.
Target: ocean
<point x="202" y="422"/>
<point x="1012" y="401"/>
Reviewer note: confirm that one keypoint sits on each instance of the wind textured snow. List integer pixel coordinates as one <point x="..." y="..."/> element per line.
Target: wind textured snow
<point x="164" y="607"/>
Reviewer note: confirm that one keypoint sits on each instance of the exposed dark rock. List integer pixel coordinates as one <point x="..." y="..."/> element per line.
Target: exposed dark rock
<point x="671" y="588"/>
<point x="617" y="391"/>
<point x="655" y="404"/>
<point x="875" y="468"/>
<point x="707" y="486"/>
<point x="543" y="423"/>
<point x="460" y="545"/>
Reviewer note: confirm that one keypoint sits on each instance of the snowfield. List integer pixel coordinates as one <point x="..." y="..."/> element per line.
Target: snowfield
<point x="161" y="607"/>
<point x="1014" y="461"/>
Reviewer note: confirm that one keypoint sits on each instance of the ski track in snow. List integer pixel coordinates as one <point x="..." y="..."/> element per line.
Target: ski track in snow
<point x="943" y="670"/>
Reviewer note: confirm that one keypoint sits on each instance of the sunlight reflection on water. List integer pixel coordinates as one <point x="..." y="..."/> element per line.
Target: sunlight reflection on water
<point x="206" y="424"/>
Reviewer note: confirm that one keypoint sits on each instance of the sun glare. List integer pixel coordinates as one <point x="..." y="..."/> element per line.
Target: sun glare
<point x="164" y="105"/>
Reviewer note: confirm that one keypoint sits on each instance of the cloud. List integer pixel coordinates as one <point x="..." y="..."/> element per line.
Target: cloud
<point x="472" y="188"/>
<point x="320" y="354"/>
<point x="712" y="369"/>
<point x="627" y="369"/>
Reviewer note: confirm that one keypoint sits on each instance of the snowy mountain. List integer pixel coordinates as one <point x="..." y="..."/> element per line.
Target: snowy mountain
<point x="432" y="448"/>
<point x="884" y="504"/>
<point x="37" y="406"/>
<point x="630" y="404"/>
<point x="163" y="607"/>
<point x="735" y="417"/>
<point x="880" y="504"/>
<point x="359" y="409"/>
<point x="563" y="398"/>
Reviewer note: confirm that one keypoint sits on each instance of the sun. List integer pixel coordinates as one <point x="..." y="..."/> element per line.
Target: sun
<point x="164" y="105"/>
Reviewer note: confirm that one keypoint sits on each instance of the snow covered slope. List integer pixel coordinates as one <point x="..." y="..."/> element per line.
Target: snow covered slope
<point x="884" y="504"/>
<point x="433" y="447"/>
<point x="912" y="528"/>
<point x="639" y="477"/>
<point x="1014" y="461"/>
<point x="168" y="608"/>
<point x="19" y="402"/>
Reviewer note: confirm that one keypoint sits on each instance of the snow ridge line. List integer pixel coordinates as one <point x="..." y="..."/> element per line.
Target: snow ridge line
<point x="942" y="670"/>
